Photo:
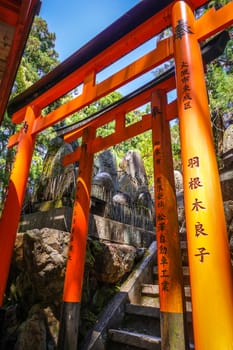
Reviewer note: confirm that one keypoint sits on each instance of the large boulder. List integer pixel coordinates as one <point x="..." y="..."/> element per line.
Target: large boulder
<point x="115" y="262"/>
<point x="40" y="259"/>
<point x="42" y="254"/>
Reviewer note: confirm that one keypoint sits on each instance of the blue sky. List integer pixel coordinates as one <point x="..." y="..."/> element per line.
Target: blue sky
<point x="75" y="22"/>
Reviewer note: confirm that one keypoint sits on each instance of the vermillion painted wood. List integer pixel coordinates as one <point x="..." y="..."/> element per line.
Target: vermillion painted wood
<point x="171" y="287"/>
<point x="208" y="250"/>
<point x="14" y="199"/>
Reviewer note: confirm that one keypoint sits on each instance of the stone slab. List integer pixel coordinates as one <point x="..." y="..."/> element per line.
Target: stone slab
<point x="142" y="310"/>
<point x="139" y="340"/>
<point x="57" y="218"/>
<point x="99" y="227"/>
<point x="107" y="229"/>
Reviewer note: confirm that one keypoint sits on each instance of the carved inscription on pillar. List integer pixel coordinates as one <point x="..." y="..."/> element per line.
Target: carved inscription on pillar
<point x="198" y="205"/>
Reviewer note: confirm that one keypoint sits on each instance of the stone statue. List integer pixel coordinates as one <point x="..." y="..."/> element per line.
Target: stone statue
<point x="105" y="171"/>
<point x="56" y="181"/>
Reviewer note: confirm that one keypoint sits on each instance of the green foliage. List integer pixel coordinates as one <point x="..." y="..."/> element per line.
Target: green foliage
<point x="219" y="84"/>
<point x="94" y="108"/>
<point x="217" y="3"/>
<point x="38" y="59"/>
<point x="40" y="54"/>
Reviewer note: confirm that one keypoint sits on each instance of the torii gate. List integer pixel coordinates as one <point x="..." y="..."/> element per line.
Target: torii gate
<point x="209" y="258"/>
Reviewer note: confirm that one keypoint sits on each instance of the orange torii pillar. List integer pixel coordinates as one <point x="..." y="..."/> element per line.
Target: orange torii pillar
<point x="14" y="199"/>
<point x="208" y="249"/>
<point x="68" y="334"/>
<point x="171" y="288"/>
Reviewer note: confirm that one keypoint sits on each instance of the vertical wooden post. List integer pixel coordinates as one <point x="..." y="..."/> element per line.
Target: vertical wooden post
<point x="68" y="334"/>
<point x="171" y="288"/>
<point x="208" y="250"/>
<point x="14" y="199"/>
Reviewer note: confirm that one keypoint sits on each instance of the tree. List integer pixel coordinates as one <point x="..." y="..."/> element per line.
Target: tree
<point x="38" y="59"/>
<point x="39" y="56"/>
<point x="219" y="85"/>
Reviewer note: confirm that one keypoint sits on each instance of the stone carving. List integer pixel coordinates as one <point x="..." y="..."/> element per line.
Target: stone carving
<point x="122" y="198"/>
<point x="131" y="190"/>
<point x="106" y="164"/>
<point x="56" y="181"/>
<point x="111" y="193"/>
<point x="178" y="181"/>
<point x="133" y="181"/>
<point x="133" y="173"/>
<point x="104" y="180"/>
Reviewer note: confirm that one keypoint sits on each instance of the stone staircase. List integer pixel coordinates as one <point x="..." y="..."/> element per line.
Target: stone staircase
<point x="134" y="317"/>
<point x="140" y="327"/>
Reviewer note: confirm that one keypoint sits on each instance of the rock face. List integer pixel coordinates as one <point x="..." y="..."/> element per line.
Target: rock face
<point x="36" y="285"/>
<point x="45" y="254"/>
<point x="36" y="326"/>
<point x="115" y="262"/>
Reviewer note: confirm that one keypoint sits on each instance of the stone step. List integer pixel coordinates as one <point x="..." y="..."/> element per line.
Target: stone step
<point x="152" y="311"/>
<point x="189" y="309"/>
<point x="142" y="319"/>
<point x="139" y="340"/>
<point x="152" y="301"/>
<point x="141" y="310"/>
<point x="151" y="290"/>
